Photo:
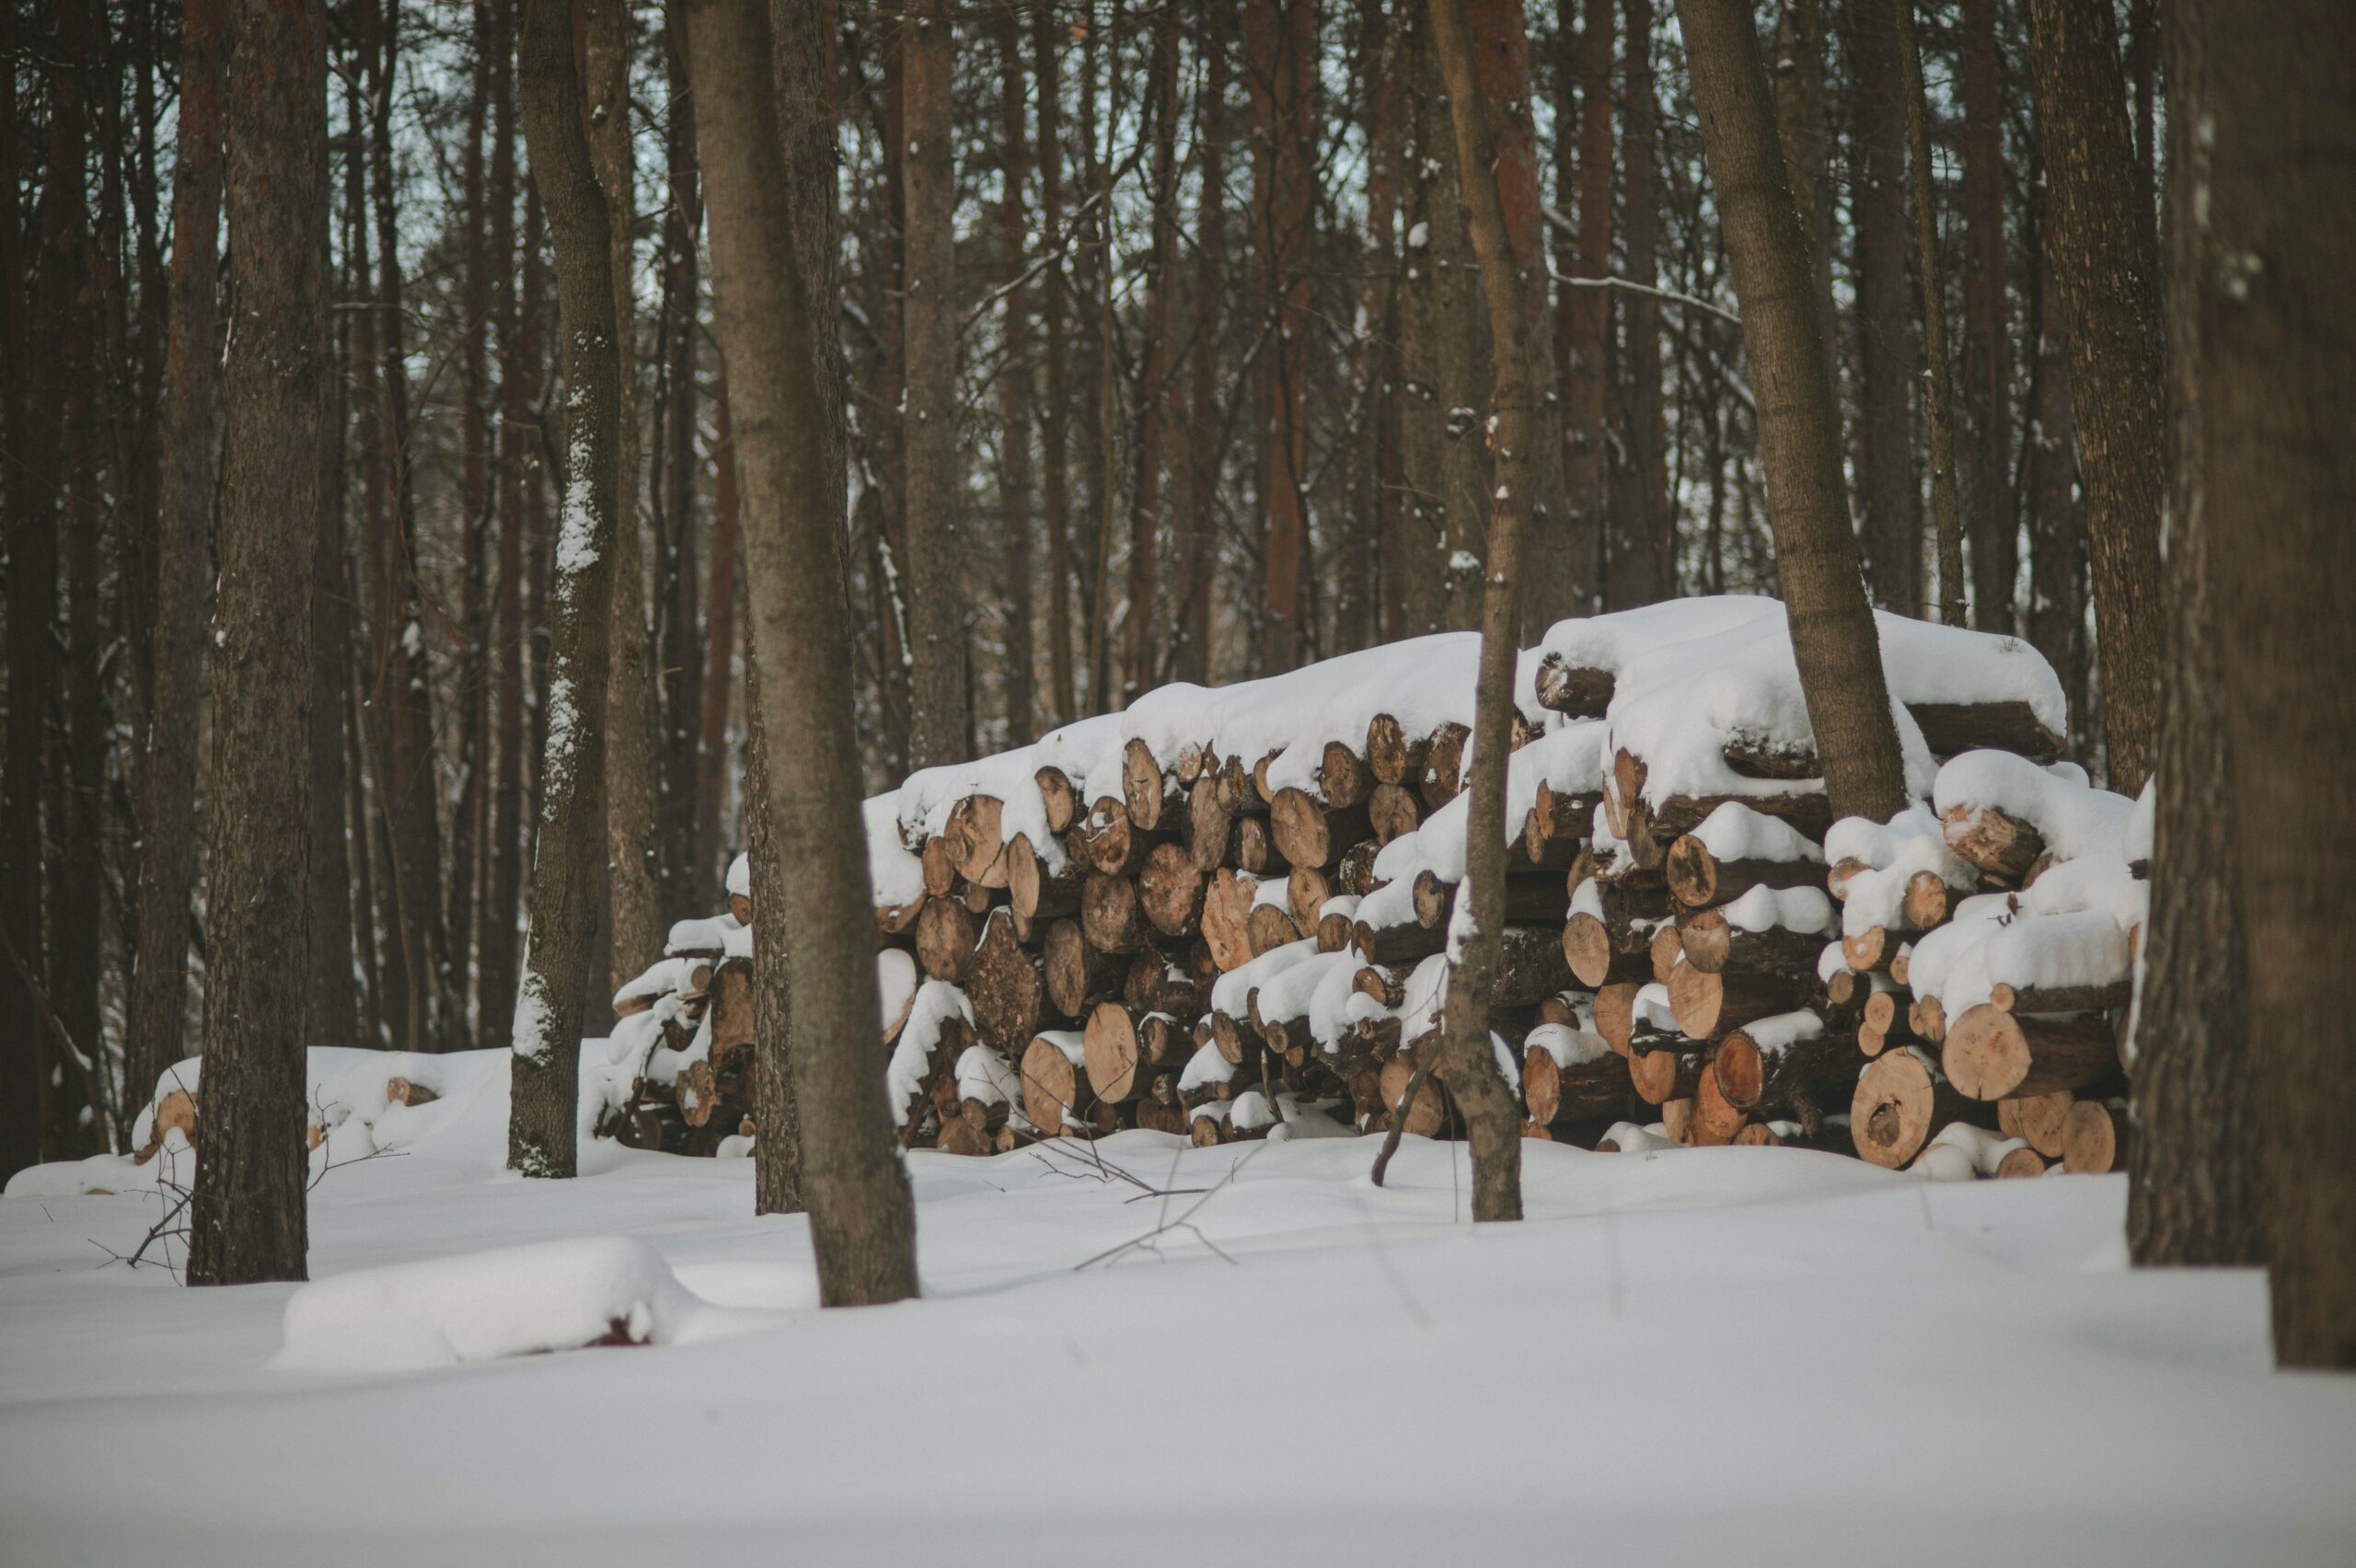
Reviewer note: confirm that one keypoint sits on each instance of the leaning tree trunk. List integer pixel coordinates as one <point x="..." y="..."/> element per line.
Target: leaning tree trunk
<point x="862" y="1221"/>
<point x="1491" y="1116"/>
<point x="561" y="911"/>
<point x="1833" y="640"/>
<point x="2192" y="1194"/>
<point x="246" y="1219"/>
<point x="2276" y="245"/>
<point x="2106" y="266"/>
<point x="183" y="565"/>
<point x="1930" y="278"/>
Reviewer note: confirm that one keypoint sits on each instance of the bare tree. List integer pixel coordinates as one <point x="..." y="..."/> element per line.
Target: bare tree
<point x="1930" y="277"/>
<point x="1833" y="640"/>
<point x="2274" y="245"/>
<point x="2106" y="264"/>
<point x="1890" y="499"/>
<point x="861" y="1215"/>
<point x="247" y="1218"/>
<point x="560" y="941"/>
<point x="938" y="716"/>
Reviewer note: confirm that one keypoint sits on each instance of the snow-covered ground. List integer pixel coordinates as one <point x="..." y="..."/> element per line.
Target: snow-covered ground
<point x="1704" y="1355"/>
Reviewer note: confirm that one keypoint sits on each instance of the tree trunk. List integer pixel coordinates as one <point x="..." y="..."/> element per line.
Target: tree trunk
<point x="938" y="722"/>
<point x="862" y="1217"/>
<point x="1054" y="491"/>
<point x="469" y="689"/>
<point x="32" y="595"/>
<point x="2106" y="268"/>
<point x="1930" y="277"/>
<point x="1280" y="47"/>
<point x="2276" y="239"/>
<point x="1365" y="597"/>
<point x="563" y="913"/>
<point x="685" y="882"/>
<point x="2193" y="1191"/>
<point x="1631" y="565"/>
<point x="1492" y="1115"/>
<point x="1198" y="544"/>
<point x="632" y="762"/>
<point x="247" y="1217"/>
<point x="1139" y="626"/>
<point x="1648" y="525"/>
<point x="1833" y="640"/>
<point x="1014" y="386"/>
<point x="1889" y="498"/>
<point x="1801" y="128"/>
<point x="1987" y="351"/>
<point x="158" y="1001"/>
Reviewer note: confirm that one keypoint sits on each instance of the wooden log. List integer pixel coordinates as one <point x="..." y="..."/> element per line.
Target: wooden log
<point x="1675" y="815"/>
<point x="1077" y="973"/>
<point x="1343" y="776"/>
<point x="1209" y="823"/>
<point x="1143" y="788"/>
<point x="1108" y="914"/>
<point x="1801" y="1073"/>
<point x="1255" y="849"/>
<point x="1115" y="1054"/>
<point x="1615" y="1014"/>
<point x="2002" y="846"/>
<point x="1269" y="927"/>
<point x="1305" y="891"/>
<point x="1530" y="967"/>
<point x="398" y="1092"/>
<point x="1110" y="843"/>
<point x="1227" y="911"/>
<point x="2059" y="998"/>
<point x="1900" y="1100"/>
<point x="1756" y="754"/>
<point x="1309" y="832"/>
<point x="1354" y="874"/>
<point x="1662" y="1076"/>
<point x="1697" y="879"/>
<point x="1952" y="727"/>
<point x="1427" y="1116"/>
<point x="2096" y="1137"/>
<point x="1578" y="690"/>
<point x="1336" y="924"/>
<point x="1391" y="754"/>
<point x="1034" y="893"/>
<point x="1391" y="811"/>
<point x="1707" y="1006"/>
<point x="1597" y="958"/>
<point x="1054" y="1080"/>
<point x="896" y="921"/>
<point x="1871" y="949"/>
<point x="946" y="932"/>
<point x="1717" y="1118"/>
<point x="1666" y="952"/>
<point x="2020" y="1162"/>
<point x="2037" y="1119"/>
<point x="1236" y="1038"/>
<point x="1599" y="1086"/>
<point x="1400" y="944"/>
<point x="1677" y="1120"/>
<point x="1443" y="771"/>
<point x="1382" y="983"/>
<point x="1993" y="1054"/>
<point x="1925" y="1020"/>
<point x="938" y="867"/>
<point x="1058" y="798"/>
<point x="1170" y="891"/>
<point x="1005" y="986"/>
<point x="973" y="837"/>
<point x="1715" y="945"/>
<point x="1925" y="902"/>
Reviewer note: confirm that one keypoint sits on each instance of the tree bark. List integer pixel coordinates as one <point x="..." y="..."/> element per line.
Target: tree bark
<point x="1055" y="459"/>
<point x="560" y="945"/>
<point x="1930" y="277"/>
<point x="1198" y="544"/>
<point x="469" y="690"/>
<point x="1889" y="499"/>
<point x="862" y="1216"/>
<point x="32" y="595"/>
<point x="1280" y="49"/>
<point x="1833" y="640"/>
<point x="2106" y="268"/>
<point x="1987" y="351"/>
<point x="1631" y="567"/>
<point x="1492" y="1116"/>
<point x="2193" y="1191"/>
<point x="938" y="725"/>
<point x="1015" y="385"/>
<point x="1140" y="625"/>
<point x="158" y="1001"/>
<point x="246" y="1217"/>
<point x="1648" y="525"/>
<point x="2275" y="232"/>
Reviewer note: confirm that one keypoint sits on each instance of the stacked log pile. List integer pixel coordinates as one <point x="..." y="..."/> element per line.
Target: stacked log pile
<point x="1224" y="912"/>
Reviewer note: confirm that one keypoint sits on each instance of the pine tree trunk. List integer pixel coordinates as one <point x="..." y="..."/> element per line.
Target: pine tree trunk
<point x="1801" y="128"/>
<point x="2105" y="267"/>
<point x="158" y="1001"/>
<point x="32" y="589"/>
<point x="562" y="911"/>
<point x="247" y="1218"/>
<point x="1833" y="640"/>
<point x="1930" y="277"/>
<point x="936" y="537"/>
<point x="1890" y="501"/>
<point x="1368" y="600"/>
<point x="1140" y="627"/>
<point x="1014" y="385"/>
<point x="469" y="690"/>
<point x="1492" y="1114"/>
<point x="1631" y="564"/>
<point x="1280" y="47"/>
<point x="1198" y="547"/>
<point x="1987" y="348"/>
<point x="862" y="1217"/>
<point x="2193" y="1191"/>
<point x="1646" y="522"/>
<point x="671" y="492"/>
<point x="2276" y="245"/>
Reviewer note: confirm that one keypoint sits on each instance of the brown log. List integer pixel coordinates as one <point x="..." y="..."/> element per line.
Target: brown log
<point x="1384" y="984"/>
<point x="1392" y="755"/>
<point x="1443" y="771"/>
<point x="1844" y="871"/>
<point x="1343" y="776"/>
<point x="1237" y="1040"/>
<point x="1427" y="1116"/>
<point x="1925" y="901"/>
<point x="1583" y="1090"/>
<point x="1697" y="879"/>
<point x="1108" y="914"/>
<point x="1034" y="893"/>
<point x="1666" y="952"/>
<point x="973" y="837"/>
<point x="2037" y="1119"/>
<point x="2020" y="1162"/>
<point x="741" y="907"/>
<point x="1115" y="1054"/>
<point x="2002" y="846"/>
<point x="1170" y="890"/>
<point x="940" y="867"/>
<point x="1624" y="793"/>
<point x="398" y="1092"/>
<point x="893" y="921"/>
<point x="1707" y="1006"/>
<point x="1143" y="788"/>
<point x="1160" y="1110"/>
<point x="1663" y="1076"/>
<point x="1005" y="986"/>
<point x="961" y="1136"/>
<point x="1309" y="833"/>
<point x="1053" y="1083"/>
<point x="1925" y="1020"/>
<point x="1615" y="1013"/>
<point x="1354" y="874"/>
<point x="1269" y="927"/>
<point x="1901" y="1100"/>
<point x="1226" y="911"/>
<point x="1715" y="945"/>
<point x="1717" y="1118"/>
<point x="1077" y="974"/>
<point x="1952" y="727"/>
<point x="1434" y="899"/>
<point x="1060" y="799"/>
<point x="1757" y="755"/>
<point x="2059" y="998"/>
<point x="1209" y="823"/>
<point x="1334" y="928"/>
<point x="1581" y="692"/>
<point x="1110" y="843"/>
<point x="1305" y="891"/>
<point x="1255" y="849"/>
<point x="1678" y="814"/>
<point x="2096" y="1137"/>
<point x="696" y="1092"/>
<point x="1993" y="1054"/>
<point x="1596" y="959"/>
<point x="1902" y="966"/>
<point x="946" y="932"/>
<point x="1807" y="1078"/>
<point x="1870" y="949"/>
<point x="1400" y="944"/>
<point x="1392" y="810"/>
<point x="1677" y="1120"/>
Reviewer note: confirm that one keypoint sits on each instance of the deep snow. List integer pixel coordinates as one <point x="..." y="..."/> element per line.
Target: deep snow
<point x="1698" y="1356"/>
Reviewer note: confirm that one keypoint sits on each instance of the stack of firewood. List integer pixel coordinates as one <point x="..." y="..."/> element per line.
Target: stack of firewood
<point x="1226" y="911"/>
